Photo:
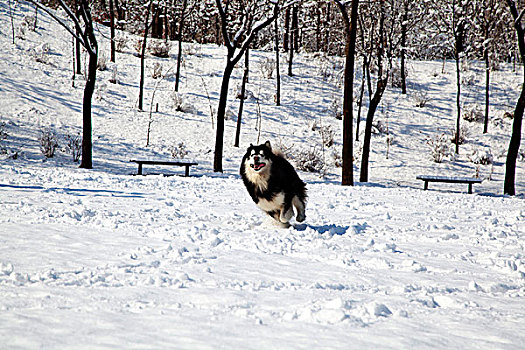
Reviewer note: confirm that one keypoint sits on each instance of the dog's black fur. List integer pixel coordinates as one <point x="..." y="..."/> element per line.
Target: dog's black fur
<point x="273" y="183"/>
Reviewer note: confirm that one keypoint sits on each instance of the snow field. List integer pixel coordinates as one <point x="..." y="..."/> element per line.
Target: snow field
<point x="171" y="259"/>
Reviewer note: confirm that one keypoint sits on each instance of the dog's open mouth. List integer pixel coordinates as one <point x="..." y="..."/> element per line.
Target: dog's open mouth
<point x="258" y="166"/>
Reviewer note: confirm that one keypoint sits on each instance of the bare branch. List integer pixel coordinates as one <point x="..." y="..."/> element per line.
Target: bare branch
<point x="222" y="14"/>
<point x="59" y="21"/>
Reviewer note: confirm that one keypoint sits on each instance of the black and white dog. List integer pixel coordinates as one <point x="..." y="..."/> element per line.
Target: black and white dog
<point x="273" y="183"/>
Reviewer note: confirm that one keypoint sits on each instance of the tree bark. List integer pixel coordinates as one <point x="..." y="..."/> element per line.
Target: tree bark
<point x="221" y="111"/>
<point x="380" y="89"/>
<point x="487" y="91"/>
<point x="291" y="42"/>
<point x="509" y="186"/>
<point x="179" y="56"/>
<point x="286" y="29"/>
<point x="277" y="64"/>
<point x="458" y="103"/>
<point x="348" y="94"/>
<point x="87" y="144"/>
<point x="112" y="26"/>
<point x="142" y="58"/>
<point x="243" y="97"/>
<point x="361" y="95"/>
<point x="403" y="48"/>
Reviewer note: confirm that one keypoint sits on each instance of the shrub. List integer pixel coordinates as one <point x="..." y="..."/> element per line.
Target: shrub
<point x="396" y="77"/>
<point x="114" y="74"/>
<point x="336" y="110"/>
<point x="473" y="114"/>
<point x="464" y="133"/>
<point x="266" y="67"/>
<point x="439" y="147"/>
<point x="74" y="146"/>
<point x="102" y="63"/>
<point x="327" y="135"/>
<point x="310" y="160"/>
<point x="420" y="98"/>
<point x="48" y="142"/>
<point x="378" y="127"/>
<point x="181" y="104"/>
<point x="468" y="79"/>
<point x="41" y="53"/>
<point x="159" y="48"/>
<point x="120" y="42"/>
<point x="179" y="150"/>
<point x="483" y="157"/>
<point x="156" y="72"/>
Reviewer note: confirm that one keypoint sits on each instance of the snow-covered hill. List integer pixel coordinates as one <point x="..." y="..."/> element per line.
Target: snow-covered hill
<point x="102" y="259"/>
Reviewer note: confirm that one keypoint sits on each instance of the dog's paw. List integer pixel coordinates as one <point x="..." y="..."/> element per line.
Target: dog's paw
<point x="300" y="217"/>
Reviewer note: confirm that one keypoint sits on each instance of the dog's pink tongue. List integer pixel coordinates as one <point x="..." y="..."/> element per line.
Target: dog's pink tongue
<point x="259" y="166"/>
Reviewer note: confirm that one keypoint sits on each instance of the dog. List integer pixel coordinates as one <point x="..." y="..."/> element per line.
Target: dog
<point x="273" y="183"/>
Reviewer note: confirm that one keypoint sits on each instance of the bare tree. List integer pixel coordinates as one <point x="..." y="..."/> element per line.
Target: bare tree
<point x="236" y="48"/>
<point x="381" y="84"/>
<point x="147" y="26"/>
<point x="112" y="29"/>
<point x="277" y="64"/>
<point x="242" y="96"/>
<point x="515" y="140"/>
<point x="179" y="38"/>
<point x="348" y="94"/>
<point x="83" y="31"/>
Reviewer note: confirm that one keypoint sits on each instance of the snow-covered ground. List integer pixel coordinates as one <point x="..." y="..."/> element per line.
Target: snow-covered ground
<point x="102" y="259"/>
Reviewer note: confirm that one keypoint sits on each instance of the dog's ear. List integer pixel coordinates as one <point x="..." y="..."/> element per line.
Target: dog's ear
<point x="267" y="144"/>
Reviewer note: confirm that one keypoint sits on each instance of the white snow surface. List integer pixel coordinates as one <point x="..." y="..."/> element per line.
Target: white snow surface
<point x="101" y="259"/>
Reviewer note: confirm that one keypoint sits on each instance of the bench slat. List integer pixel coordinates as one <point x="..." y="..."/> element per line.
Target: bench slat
<point x="431" y="178"/>
<point x="449" y="179"/>
<point x="163" y="162"/>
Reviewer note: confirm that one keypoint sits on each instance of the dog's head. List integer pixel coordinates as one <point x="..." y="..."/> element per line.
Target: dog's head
<point x="258" y="159"/>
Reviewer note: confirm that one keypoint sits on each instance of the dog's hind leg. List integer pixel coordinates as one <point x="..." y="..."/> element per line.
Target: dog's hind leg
<point x="299" y="205"/>
<point x="286" y="213"/>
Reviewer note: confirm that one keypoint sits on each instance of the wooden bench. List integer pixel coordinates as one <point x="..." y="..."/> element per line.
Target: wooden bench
<point x="157" y="162"/>
<point x="467" y="180"/>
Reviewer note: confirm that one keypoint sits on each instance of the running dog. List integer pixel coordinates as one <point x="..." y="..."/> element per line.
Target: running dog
<point x="273" y="183"/>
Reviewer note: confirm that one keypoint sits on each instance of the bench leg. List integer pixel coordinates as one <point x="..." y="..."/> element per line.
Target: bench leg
<point x="426" y="186"/>
<point x="139" y="172"/>
<point x="469" y="188"/>
<point x="187" y="172"/>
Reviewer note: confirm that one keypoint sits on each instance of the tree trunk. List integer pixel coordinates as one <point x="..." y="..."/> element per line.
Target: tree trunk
<point x="295" y="28"/>
<point x="277" y="64"/>
<point x="509" y="186"/>
<point x="221" y="111"/>
<point x="487" y="91"/>
<point x="348" y="94"/>
<point x="291" y="48"/>
<point x="112" y="26"/>
<point x="142" y="58"/>
<point x="243" y="97"/>
<point x="87" y="151"/>
<point x="361" y="94"/>
<point x="514" y="145"/>
<point x="286" y="29"/>
<point x="381" y="85"/>
<point x="179" y="56"/>
<point x="458" y="102"/>
<point x="403" y="49"/>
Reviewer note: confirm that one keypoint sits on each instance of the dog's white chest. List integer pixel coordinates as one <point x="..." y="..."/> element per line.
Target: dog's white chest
<point x="270" y="205"/>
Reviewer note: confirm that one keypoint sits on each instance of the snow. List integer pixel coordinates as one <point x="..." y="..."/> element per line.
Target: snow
<point x="103" y="259"/>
